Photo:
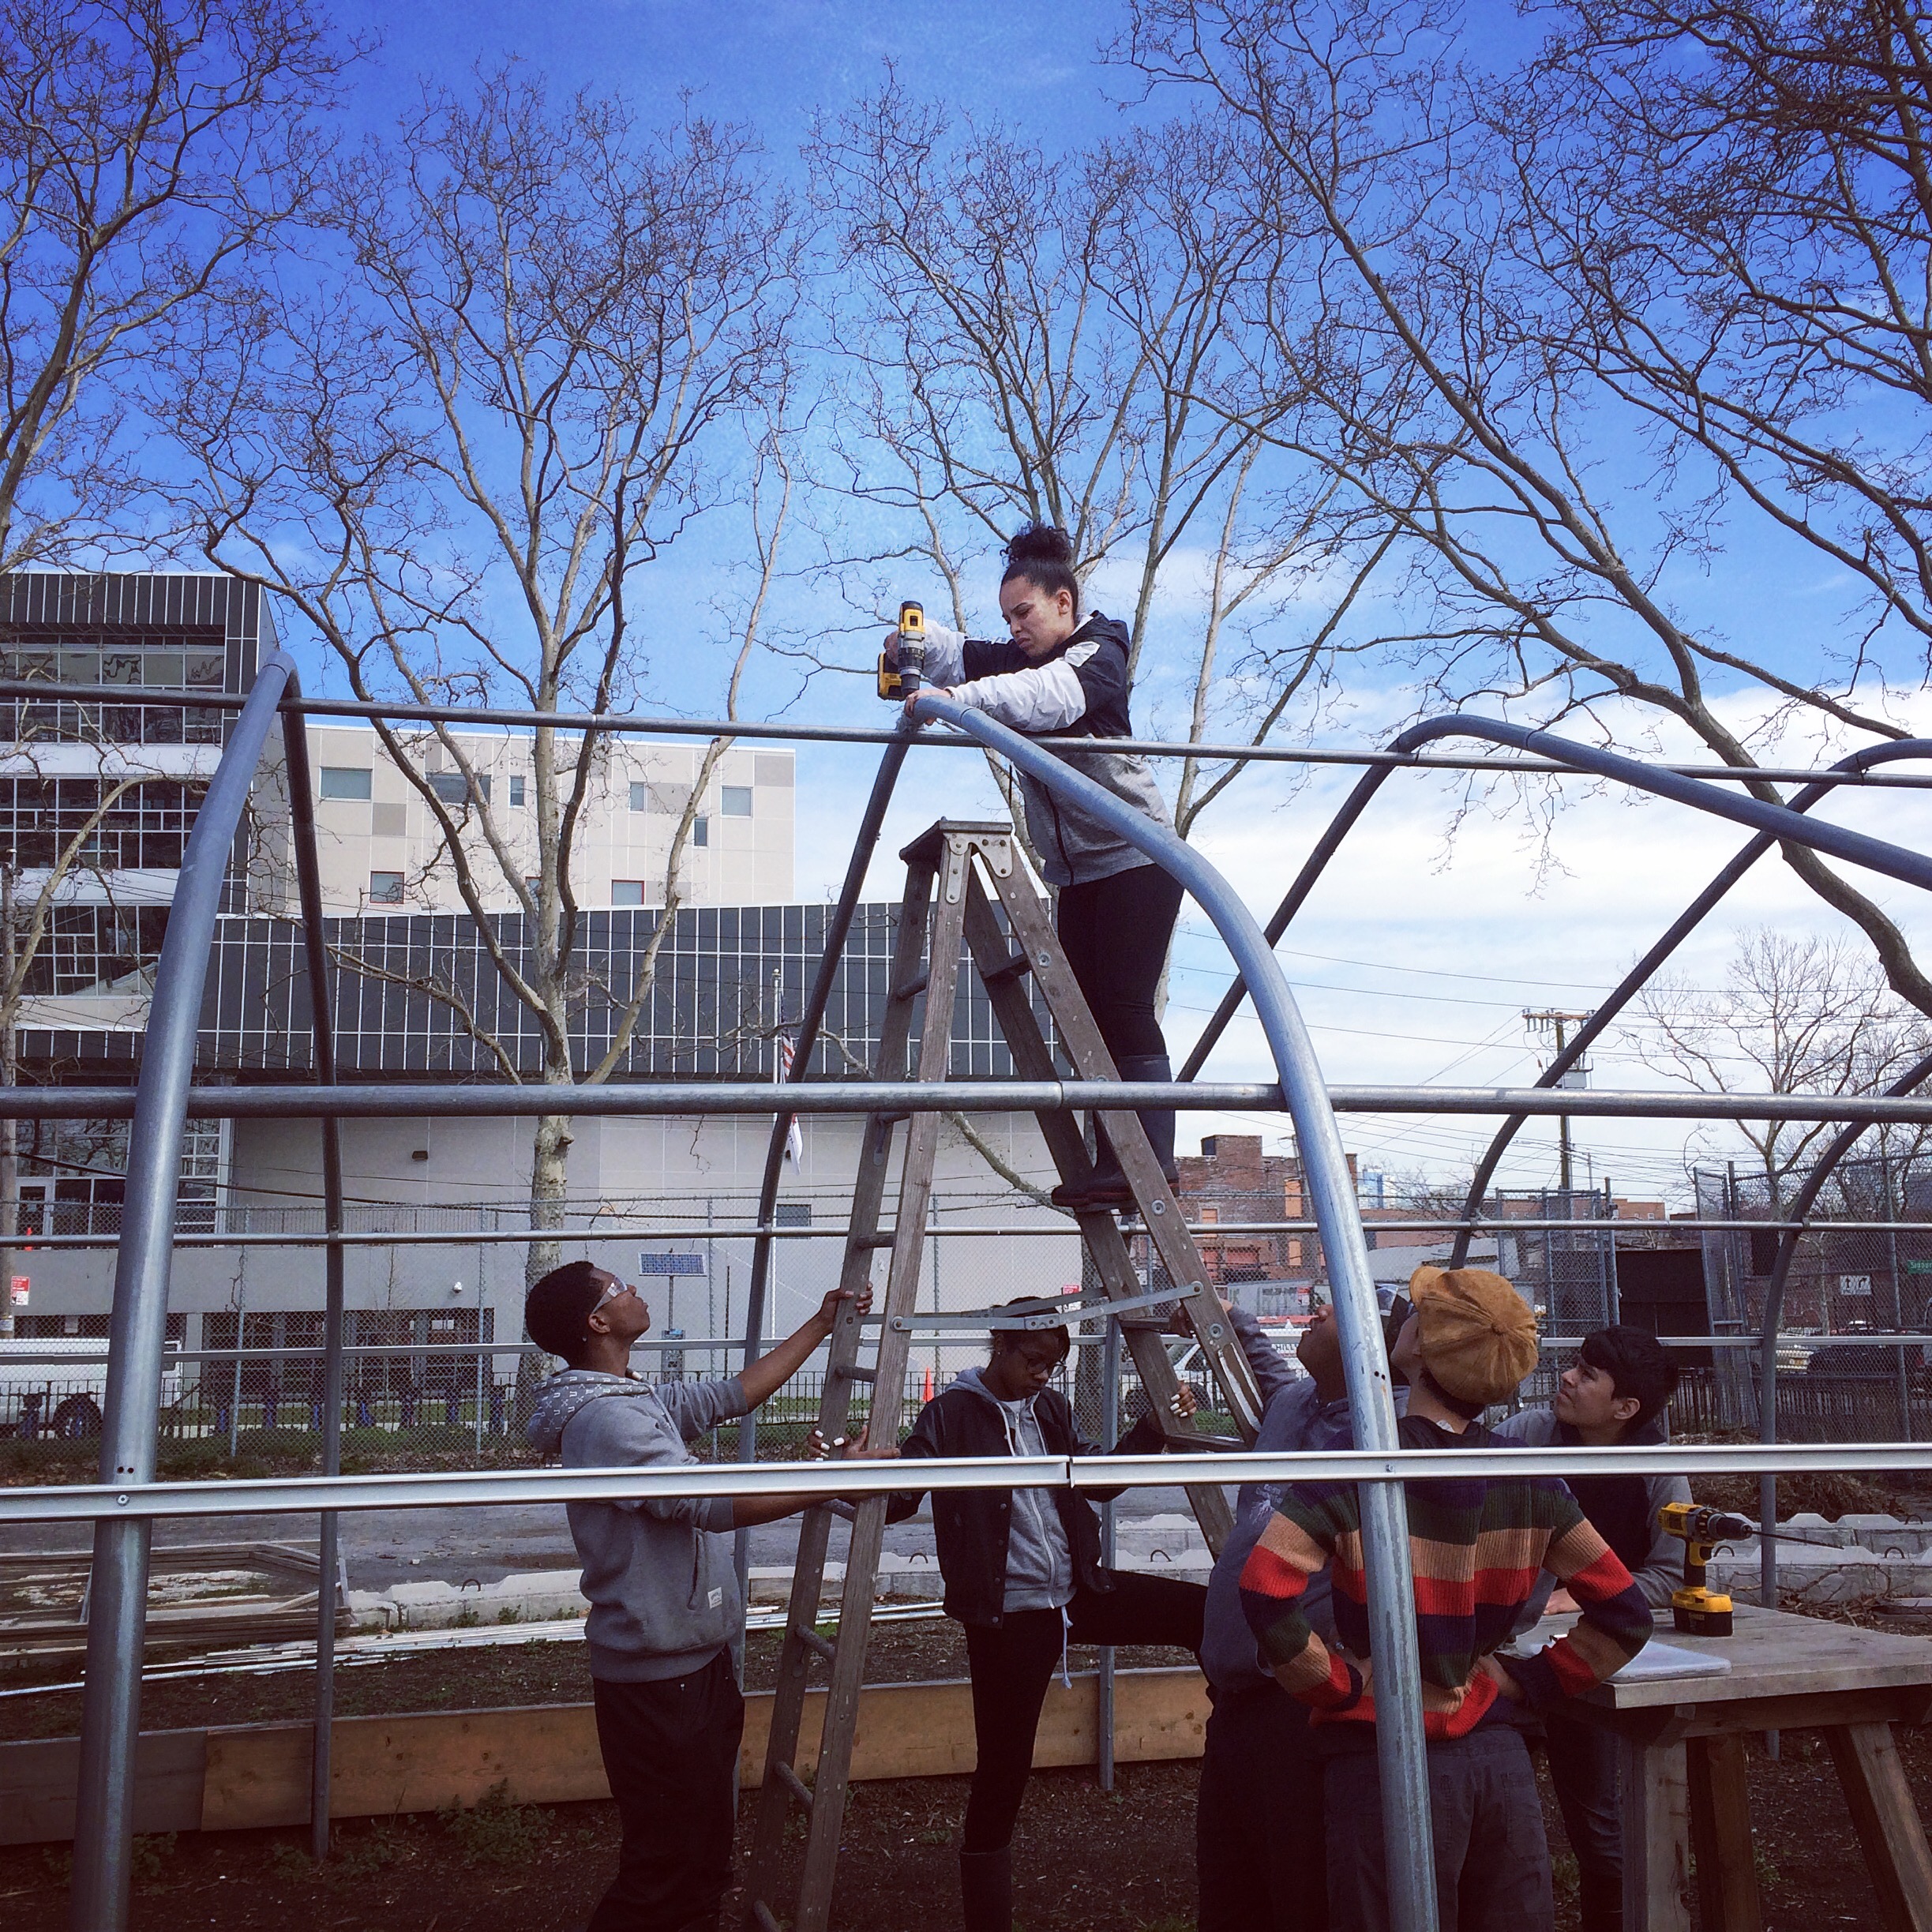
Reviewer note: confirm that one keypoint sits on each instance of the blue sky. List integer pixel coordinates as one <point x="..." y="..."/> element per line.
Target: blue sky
<point x="1415" y="962"/>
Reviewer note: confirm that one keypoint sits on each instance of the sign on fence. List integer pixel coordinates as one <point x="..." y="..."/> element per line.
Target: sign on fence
<point x="1854" y="1285"/>
<point x="22" y="1283"/>
<point x="648" y="1263"/>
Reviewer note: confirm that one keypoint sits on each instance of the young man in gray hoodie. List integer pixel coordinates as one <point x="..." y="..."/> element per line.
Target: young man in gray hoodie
<point x="1616" y="1392"/>
<point x="665" y="1606"/>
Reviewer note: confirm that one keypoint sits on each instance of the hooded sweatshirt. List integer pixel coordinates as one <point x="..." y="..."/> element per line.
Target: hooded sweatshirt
<point x="659" y="1574"/>
<point x="1039" y="1561"/>
<point x="1080" y="689"/>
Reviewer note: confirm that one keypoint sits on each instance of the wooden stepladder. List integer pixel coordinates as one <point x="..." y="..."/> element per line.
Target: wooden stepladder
<point x="947" y="908"/>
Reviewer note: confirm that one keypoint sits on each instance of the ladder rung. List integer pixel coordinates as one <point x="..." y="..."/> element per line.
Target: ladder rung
<point x="762" y="1912"/>
<point x="819" y="1646"/>
<point x="1013" y="969"/>
<point x="912" y="988"/>
<point x="872" y="1240"/>
<point x="891" y="1119"/>
<point x="839" y="1507"/>
<point x="793" y="1783"/>
<point x="850" y="1372"/>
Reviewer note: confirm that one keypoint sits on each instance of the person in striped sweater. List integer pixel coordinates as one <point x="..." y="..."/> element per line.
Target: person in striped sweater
<point x="1477" y="1548"/>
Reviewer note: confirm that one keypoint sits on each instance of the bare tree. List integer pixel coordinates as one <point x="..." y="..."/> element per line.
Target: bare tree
<point x="1422" y="311"/>
<point x="1795" y="1015"/>
<point x="1034" y="336"/>
<point x="149" y="149"/>
<point x="550" y="328"/>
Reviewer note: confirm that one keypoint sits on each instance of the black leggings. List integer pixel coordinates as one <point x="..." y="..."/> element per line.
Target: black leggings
<point x="1117" y="931"/>
<point x="1014" y="1661"/>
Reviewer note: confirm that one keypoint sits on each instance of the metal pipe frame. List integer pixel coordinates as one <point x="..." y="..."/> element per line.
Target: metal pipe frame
<point x="625" y="724"/>
<point x="479" y="1101"/>
<point x="1401" y="1751"/>
<point x="140" y="1503"/>
<point x="163" y="1099"/>
<point x="322" y="1033"/>
<point x="491" y="1237"/>
<point x="117" y="1595"/>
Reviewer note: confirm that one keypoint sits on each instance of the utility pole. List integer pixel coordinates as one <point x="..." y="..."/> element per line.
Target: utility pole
<point x="1543" y="1023"/>
<point x="10" y="1039"/>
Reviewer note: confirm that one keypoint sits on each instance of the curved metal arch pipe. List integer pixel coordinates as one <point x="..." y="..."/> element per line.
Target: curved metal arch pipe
<point x="1400" y="1747"/>
<point x="1639" y="976"/>
<point x="838" y="929"/>
<point x="117" y="1595"/>
<point x="1774" y="822"/>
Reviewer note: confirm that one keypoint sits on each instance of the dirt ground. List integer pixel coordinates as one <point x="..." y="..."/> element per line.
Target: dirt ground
<point x="1087" y="1861"/>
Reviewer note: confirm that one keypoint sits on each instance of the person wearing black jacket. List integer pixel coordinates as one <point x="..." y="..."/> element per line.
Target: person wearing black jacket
<point x="1063" y="673"/>
<point x="1023" y="1572"/>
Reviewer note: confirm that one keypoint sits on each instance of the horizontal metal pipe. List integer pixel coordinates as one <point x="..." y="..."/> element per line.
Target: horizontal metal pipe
<point x="482" y="1100"/>
<point x="625" y="724"/>
<point x="1004" y="1231"/>
<point x="478" y="1488"/>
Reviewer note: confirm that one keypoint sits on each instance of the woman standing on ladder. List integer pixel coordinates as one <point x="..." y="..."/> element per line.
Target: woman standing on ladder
<point x="1061" y="674"/>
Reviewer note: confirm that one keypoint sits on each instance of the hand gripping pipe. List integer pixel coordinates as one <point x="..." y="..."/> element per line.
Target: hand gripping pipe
<point x="1400" y="1749"/>
<point x="118" y="1593"/>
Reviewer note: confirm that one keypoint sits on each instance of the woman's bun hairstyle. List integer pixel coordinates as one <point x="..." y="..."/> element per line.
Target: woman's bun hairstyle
<point x="1043" y="554"/>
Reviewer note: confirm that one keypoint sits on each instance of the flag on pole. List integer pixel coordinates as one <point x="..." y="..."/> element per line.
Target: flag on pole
<point x="780" y="1072"/>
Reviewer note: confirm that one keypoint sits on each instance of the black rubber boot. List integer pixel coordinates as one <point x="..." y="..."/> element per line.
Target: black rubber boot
<point x="986" y="1890"/>
<point x="1107" y="1186"/>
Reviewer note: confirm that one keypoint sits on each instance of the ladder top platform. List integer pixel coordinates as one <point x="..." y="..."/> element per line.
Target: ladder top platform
<point x="927" y="845"/>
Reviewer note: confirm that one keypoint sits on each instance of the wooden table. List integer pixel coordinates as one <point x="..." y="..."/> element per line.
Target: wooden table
<point x="1683" y="1764"/>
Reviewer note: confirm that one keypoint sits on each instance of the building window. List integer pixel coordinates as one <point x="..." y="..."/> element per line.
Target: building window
<point x="345" y="781"/>
<point x="640" y="796"/>
<point x="516" y="788"/>
<point x="627" y="892"/>
<point x="737" y="802"/>
<point x="700" y="831"/>
<point x="145" y="827"/>
<point x="453" y="789"/>
<point x="791" y="1214"/>
<point x="385" y="888"/>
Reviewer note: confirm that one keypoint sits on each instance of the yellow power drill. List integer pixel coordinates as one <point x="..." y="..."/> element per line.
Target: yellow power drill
<point x="1696" y="1609"/>
<point x="898" y="682"/>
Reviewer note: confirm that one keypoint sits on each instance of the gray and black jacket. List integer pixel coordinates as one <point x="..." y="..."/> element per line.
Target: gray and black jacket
<point x="657" y="1571"/>
<point x="1080" y="690"/>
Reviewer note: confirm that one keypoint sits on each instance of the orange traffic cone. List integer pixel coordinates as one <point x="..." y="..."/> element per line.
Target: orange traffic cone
<point x="925" y="1386"/>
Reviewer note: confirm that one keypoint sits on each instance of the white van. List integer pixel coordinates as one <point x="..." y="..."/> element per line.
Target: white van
<point x="56" y="1385"/>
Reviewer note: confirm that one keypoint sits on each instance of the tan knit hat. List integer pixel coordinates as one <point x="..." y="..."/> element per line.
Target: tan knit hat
<point x="1478" y="1336"/>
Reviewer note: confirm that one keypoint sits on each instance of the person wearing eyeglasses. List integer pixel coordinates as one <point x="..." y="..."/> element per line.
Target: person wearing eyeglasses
<point x="1063" y="672"/>
<point x="665" y="1611"/>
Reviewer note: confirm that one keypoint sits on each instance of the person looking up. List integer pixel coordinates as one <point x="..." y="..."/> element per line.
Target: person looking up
<point x="1475" y="1546"/>
<point x="1022" y="1571"/>
<point x="1617" y="1391"/>
<point x="1062" y="672"/>
<point x="666" y="1614"/>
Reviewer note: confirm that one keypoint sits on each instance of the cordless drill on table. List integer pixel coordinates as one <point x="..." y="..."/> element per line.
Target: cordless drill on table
<point x="898" y="682"/>
<point x="1698" y="1610"/>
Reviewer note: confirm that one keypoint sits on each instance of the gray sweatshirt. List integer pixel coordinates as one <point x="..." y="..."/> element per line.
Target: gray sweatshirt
<point x="1039" y="1565"/>
<point x="663" y="1593"/>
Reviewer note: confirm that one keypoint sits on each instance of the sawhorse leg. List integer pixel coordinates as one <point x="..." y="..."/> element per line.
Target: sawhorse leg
<point x="1720" y="1833"/>
<point x="1888" y="1825"/>
<point x="1656" y="1837"/>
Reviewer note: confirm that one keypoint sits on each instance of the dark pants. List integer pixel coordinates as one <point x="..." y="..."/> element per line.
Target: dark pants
<point x="670" y="1749"/>
<point x="1492" y="1866"/>
<point x="1116" y="931"/>
<point x="1257" y="1823"/>
<point x="1583" y="1767"/>
<point x="1013" y="1661"/>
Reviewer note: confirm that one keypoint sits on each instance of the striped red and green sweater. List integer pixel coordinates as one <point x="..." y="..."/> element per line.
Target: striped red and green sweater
<point x="1475" y="1547"/>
